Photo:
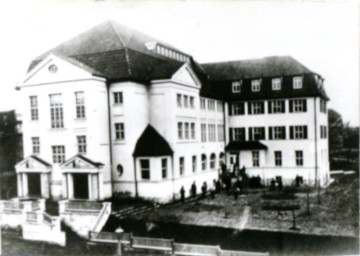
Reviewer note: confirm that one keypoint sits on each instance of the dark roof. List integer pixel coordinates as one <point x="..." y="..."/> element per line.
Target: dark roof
<point x="244" y="145"/>
<point x="151" y="143"/>
<point x="96" y="164"/>
<point x="40" y="160"/>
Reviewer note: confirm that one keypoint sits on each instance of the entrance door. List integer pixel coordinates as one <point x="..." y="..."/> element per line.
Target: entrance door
<point x="81" y="186"/>
<point x="34" y="184"/>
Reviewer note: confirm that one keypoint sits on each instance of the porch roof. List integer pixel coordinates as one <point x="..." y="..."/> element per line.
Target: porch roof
<point x="245" y="145"/>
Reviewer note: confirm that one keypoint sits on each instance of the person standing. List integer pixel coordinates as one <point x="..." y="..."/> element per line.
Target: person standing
<point x="182" y="194"/>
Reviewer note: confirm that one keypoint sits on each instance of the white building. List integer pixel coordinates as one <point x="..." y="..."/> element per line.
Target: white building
<point x="113" y="110"/>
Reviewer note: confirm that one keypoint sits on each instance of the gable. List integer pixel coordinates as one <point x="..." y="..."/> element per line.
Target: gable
<point x="32" y="162"/>
<point x="187" y="76"/>
<point x="54" y="69"/>
<point x="80" y="162"/>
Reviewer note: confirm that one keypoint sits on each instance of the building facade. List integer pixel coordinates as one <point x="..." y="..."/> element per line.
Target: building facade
<point x="133" y="114"/>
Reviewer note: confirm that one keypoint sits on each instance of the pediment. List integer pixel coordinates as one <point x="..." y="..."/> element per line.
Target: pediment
<point x="80" y="162"/>
<point x="32" y="162"/>
<point x="187" y="76"/>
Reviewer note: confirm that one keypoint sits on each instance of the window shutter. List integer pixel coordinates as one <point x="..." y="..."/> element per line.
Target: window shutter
<point x="269" y="107"/>
<point x="230" y="134"/>
<point x="283" y="106"/>
<point x="262" y="107"/>
<point x="243" y="136"/>
<point x="304" y="104"/>
<point x="249" y="108"/>
<point x="242" y="108"/>
<point x="250" y="133"/>
<point x="270" y="133"/>
<point x="263" y="133"/>
<point x="284" y="132"/>
<point x="291" y="132"/>
<point x="290" y="106"/>
<point x="230" y="109"/>
<point x="305" y="131"/>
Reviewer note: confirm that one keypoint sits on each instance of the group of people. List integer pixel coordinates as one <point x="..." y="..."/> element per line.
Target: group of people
<point x="204" y="189"/>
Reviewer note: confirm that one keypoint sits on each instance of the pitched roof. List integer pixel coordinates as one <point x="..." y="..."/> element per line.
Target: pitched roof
<point x="40" y="160"/>
<point x="89" y="161"/>
<point x="245" y="145"/>
<point x="151" y="143"/>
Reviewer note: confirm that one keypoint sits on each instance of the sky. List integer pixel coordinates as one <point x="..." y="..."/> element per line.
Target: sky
<point x="323" y="36"/>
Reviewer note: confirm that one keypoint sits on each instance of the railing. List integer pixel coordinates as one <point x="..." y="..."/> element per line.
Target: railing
<point x="103" y="216"/>
<point x="12" y="205"/>
<point x="147" y="242"/>
<point x="242" y="253"/>
<point x="31" y="217"/>
<point x="193" y="249"/>
<point x="74" y="205"/>
<point x="109" y="237"/>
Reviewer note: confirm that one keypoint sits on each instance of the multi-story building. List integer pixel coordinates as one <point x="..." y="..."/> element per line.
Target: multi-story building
<point x="114" y="110"/>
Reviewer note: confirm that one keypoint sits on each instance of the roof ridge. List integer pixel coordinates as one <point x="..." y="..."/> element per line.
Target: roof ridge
<point x="254" y="59"/>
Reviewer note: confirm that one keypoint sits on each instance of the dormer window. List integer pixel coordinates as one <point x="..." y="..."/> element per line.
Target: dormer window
<point x="170" y="53"/>
<point x="236" y="87"/>
<point x="297" y="82"/>
<point x="276" y="84"/>
<point x="255" y="85"/>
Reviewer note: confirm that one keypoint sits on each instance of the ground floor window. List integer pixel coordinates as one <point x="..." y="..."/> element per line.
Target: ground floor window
<point x="194" y="164"/>
<point x="299" y="158"/>
<point x="278" y="158"/>
<point x="203" y="162"/>
<point x="255" y="158"/>
<point x="212" y="161"/>
<point x="145" y="169"/>
<point x="181" y="165"/>
<point x="164" y="168"/>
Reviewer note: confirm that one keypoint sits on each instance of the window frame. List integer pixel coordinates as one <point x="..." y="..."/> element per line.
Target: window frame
<point x="164" y="167"/>
<point x="56" y="111"/>
<point x="181" y="165"/>
<point x="255" y="85"/>
<point x="193" y="131"/>
<point x="203" y="132"/>
<point x="145" y="169"/>
<point x="278" y="158"/>
<point x="58" y="154"/>
<point x="81" y="144"/>
<point x="203" y="162"/>
<point x="257" y="107"/>
<point x="212" y="161"/>
<point x="297" y="82"/>
<point x="179" y="99"/>
<point x="238" y="108"/>
<point x="194" y="164"/>
<point x="255" y="158"/>
<point x="180" y="131"/>
<point x="236" y="86"/>
<point x="276" y="84"/>
<point x="118" y="98"/>
<point x="119" y="131"/>
<point x="299" y="158"/>
<point x="35" y="145"/>
<point x="80" y="105"/>
<point x="34" y="108"/>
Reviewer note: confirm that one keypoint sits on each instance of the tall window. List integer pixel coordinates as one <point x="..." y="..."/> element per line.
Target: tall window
<point x="238" y="108"/>
<point x="221" y="136"/>
<point x="297" y="82"/>
<point x="203" y="162"/>
<point x="212" y="134"/>
<point x="323" y="132"/>
<point x="211" y="105"/>
<point x="212" y="161"/>
<point x="255" y="108"/>
<point x="276" y="106"/>
<point x="192" y="103"/>
<point x="193" y="131"/>
<point x="81" y="140"/>
<point x="194" y="165"/>
<point x="181" y="165"/>
<point x="298" y="132"/>
<point x="298" y="105"/>
<point x="277" y="133"/>
<point x="238" y="134"/>
<point x="276" y="84"/>
<point x="236" y="87"/>
<point x="35" y="145"/>
<point x="80" y="104"/>
<point x="164" y="168"/>
<point x="278" y="159"/>
<point x="187" y="131"/>
<point x="119" y="131"/>
<point x="203" y="132"/>
<point x="56" y="110"/>
<point x="255" y="158"/>
<point x="58" y="154"/>
<point x="178" y="98"/>
<point x="299" y="158"/>
<point x="180" y="130"/>
<point x="34" y="111"/>
<point x="322" y="106"/>
<point x="145" y="169"/>
<point x="186" y="101"/>
<point x="219" y="106"/>
<point x="256" y="133"/>
<point x="118" y="97"/>
<point x="255" y="85"/>
<point x="203" y="104"/>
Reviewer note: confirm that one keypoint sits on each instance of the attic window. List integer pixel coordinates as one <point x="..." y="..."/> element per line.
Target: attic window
<point x="297" y="82"/>
<point x="236" y="87"/>
<point x="276" y="84"/>
<point x="169" y="53"/>
<point x="53" y="68"/>
<point x="255" y="85"/>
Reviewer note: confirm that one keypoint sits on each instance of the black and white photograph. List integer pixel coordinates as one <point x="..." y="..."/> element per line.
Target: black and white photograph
<point x="187" y="128"/>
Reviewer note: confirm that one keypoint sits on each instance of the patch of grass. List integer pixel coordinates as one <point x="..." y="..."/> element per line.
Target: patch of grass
<point x="278" y="196"/>
<point x="198" y="207"/>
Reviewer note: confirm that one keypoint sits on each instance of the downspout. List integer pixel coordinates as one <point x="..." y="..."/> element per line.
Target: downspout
<point x="136" y="184"/>
<point x="172" y="175"/>
<point x="225" y="129"/>
<point x="316" y="158"/>
<point x="110" y="133"/>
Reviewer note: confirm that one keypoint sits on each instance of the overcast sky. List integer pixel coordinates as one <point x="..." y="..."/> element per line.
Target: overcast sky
<point x="322" y="36"/>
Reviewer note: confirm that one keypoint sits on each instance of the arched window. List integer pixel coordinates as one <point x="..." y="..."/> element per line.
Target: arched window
<point x="212" y="161"/>
<point x="120" y="169"/>
<point x="221" y="159"/>
<point x="203" y="162"/>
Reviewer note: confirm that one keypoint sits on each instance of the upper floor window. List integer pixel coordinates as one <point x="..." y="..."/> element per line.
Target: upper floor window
<point x="276" y="84"/>
<point x="193" y="130"/>
<point x="237" y="134"/>
<point x="202" y="103"/>
<point x="187" y="132"/>
<point x="194" y="164"/>
<point x="323" y="132"/>
<point x="299" y="159"/>
<point x="56" y="110"/>
<point x="119" y="131"/>
<point x="180" y="130"/>
<point x="255" y="158"/>
<point x="145" y="169"/>
<point x="203" y="162"/>
<point x="211" y="105"/>
<point x="256" y="133"/>
<point x="81" y="140"/>
<point x="80" y="104"/>
<point x="277" y="133"/>
<point x="322" y="106"/>
<point x="219" y="106"/>
<point x="203" y="132"/>
<point x="178" y="99"/>
<point x="298" y="132"/>
<point x="118" y="97"/>
<point x="186" y="101"/>
<point x="192" y="104"/>
<point x="297" y="82"/>
<point x="276" y="106"/>
<point x="181" y="165"/>
<point x="298" y="105"/>
<point x="164" y="168"/>
<point x="212" y="161"/>
<point x="256" y="107"/>
<point x="236" y="86"/>
<point x="221" y="136"/>
<point x="34" y="110"/>
<point x="278" y="158"/>
<point x="58" y="154"/>
<point x="255" y="85"/>
<point x="35" y="145"/>
<point x="212" y="134"/>
<point x="237" y="108"/>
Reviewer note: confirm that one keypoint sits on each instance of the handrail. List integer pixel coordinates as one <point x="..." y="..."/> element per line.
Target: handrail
<point x="72" y="205"/>
<point x="11" y="205"/>
<point x="109" y="237"/>
<point x="242" y="253"/>
<point x="198" y="249"/>
<point x="152" y="242"/>
<point x="102" y="213"/>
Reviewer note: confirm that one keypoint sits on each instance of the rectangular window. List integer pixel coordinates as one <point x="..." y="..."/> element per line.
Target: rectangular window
<point x="35" y="145"/>
<point x="256" y="108"/>
<point x="255" y="85"/>
<point x="238" y="108"/>
<point x="276" y="84"/>
<point x="180" y="130"/>
<point x="56" y="110"/>
<point x="298" y="132"/>
<point x="322" y="106"/>
<point x="118" y="97"/>
<point x="203" y="162"/>
<point x="164" y="168"/>
<point x="299" y="158"/>
<point x="34" y="111"/>
<point x="298" y="105"/>
<point x="221" y="136"/>
<point x="255" y="158"/>
<point x="194" y="165"/>
<point x="178" y="98"/>
<point x="193" y="131"/>
<point x="256" y="133"/>
<point x="192" y="104"/>
<point x="203" y="104"/>
<point x="80" y="104"/>
<point x="219" y="106"/>
<point x="187" y="131"/>
<point x="145" y="169"/>
<point x="81" y="140"/>
<point x="323" y="132"/>
<point x="297" y="82"/>
<point x="236" y="86"/>
<point x="277" y="133"/>
<point x="211" y="130"/>
<point x="181" y="165"/>
<point x="276" y="106"/>
<point x="211" y="105"/>
<point x="203" y="132"/>
<point x="278" y="158"/>
<point x="186" y="101"/>
<point x="239" y="134"/>
<point x="58" y="154"/>
<point x="119" y="131"/>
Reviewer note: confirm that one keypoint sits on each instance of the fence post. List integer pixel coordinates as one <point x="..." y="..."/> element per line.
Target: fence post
<point x="172" y="246"/>
<point x="119" y="247"/>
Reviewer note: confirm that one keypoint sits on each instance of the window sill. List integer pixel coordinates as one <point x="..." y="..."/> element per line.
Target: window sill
<point x="187" y="141"/>
<point x="118" y="104"/>
<point x="57" y="129"/>
<point x="119" y="142"/>
<point x="80" y="119"/>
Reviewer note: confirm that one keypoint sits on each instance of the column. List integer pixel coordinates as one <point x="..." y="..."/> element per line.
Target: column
<point x="25" y="184"/>
<point x="19" y="185"/>
<point x="45" y="185"/>
<point x="65" y="185"/>
<point x="101" y="185"/>
<point x="70" y="186"/>
<point x="90" y="187"/>
<point x="95" y="186"/>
